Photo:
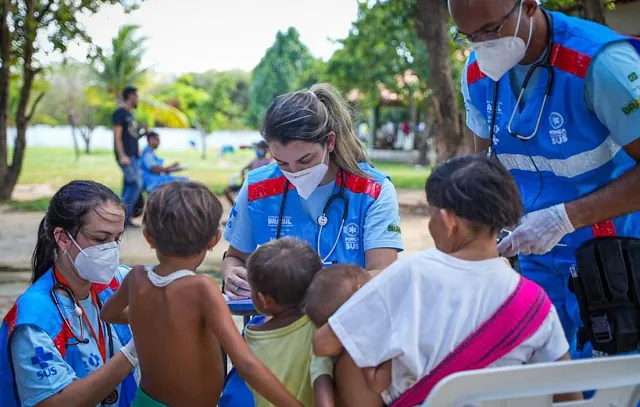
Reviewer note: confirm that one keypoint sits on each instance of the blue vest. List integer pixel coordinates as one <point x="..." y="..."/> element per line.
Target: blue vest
<point x="572" y="149"/>
<point x="35" y="307"/>
<point x="151" y="179"/>
<point x="266" y="192"/>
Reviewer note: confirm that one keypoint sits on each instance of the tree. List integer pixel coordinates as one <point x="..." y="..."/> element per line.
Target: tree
<point x="215" y="112"/>
<point x="432" y="19"/>
<point x="22" y="25"/>
<point x="279" y="71"/>
<point x="121" y="67"/>
<point x="593" y="10"/>
<point x="383" y="53"/>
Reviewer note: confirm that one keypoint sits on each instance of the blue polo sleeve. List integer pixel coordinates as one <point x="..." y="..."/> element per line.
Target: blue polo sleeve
<point x="475" y="120"/>
<point x="239" y="231"/>
<point x="148" y="162"/>
<point x="382" y="221"/>
<point x="40" y="371"/>
<point x="612" y="91"/>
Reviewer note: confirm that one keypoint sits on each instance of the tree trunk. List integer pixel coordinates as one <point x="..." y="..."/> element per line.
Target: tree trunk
<point x="203" y="135"/>
<point x="10" y="177"/>
<point x="86" y="137"/>
<point x="593" y="10"/>
<point x="76" y="147"/>
<point x="5" y="60"/>
<point x="431" y="23"/>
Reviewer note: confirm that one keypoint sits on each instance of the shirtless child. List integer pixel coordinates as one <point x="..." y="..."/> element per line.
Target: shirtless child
<point x="179" y="319"/>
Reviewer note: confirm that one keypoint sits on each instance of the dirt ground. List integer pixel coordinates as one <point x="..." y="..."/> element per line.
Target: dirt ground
<point x="18" y="232"/>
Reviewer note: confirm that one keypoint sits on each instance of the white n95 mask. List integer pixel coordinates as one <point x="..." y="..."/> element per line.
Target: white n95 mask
<point x="306" y="181"/>
<point x="97" y="264"/>
<point x="496" y="57"/>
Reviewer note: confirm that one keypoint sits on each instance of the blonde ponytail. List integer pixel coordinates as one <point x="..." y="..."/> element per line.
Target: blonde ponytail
<point x="348" y="151"/>
<point x="311" y="116"/>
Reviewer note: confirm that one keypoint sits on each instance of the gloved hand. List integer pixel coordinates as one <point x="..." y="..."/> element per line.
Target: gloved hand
<point x="538" y="232"/>
<point x="129" y="352"/>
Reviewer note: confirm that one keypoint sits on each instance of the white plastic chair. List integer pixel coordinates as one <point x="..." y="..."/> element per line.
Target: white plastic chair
<point x="615" y="379"/>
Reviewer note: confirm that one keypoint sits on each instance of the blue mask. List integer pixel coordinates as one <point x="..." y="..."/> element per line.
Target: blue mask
<point x="259" y="153"/>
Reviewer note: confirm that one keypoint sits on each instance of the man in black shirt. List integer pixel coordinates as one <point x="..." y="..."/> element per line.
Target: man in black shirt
<point x="126" y="134"/>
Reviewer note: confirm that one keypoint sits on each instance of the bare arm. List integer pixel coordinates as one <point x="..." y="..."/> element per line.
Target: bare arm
<point x="481" y="144"/>
<point x="324" y="392"/>
<point x="559" y="398"/>
<point x="93" y="389"/>
<point x="378" y="378"/>
<point x="325" y="342"/>
<point x="116" y="309"/>
<point x="218" y="318"/>
<point x="377" y="260"/>
<point x="117" y="134"/>
<point x="605" y="203"/>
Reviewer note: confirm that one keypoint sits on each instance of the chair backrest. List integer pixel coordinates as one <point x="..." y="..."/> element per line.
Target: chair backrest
<point x="615" y="379"/>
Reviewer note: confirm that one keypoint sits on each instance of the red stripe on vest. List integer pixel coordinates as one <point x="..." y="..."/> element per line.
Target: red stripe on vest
<point x="268" y="188"/>
<point x="61" y="340"/>
<point x="114" y="285"/>
<point x="360" y="185"/>
<point x="474" y="73"/>
<point x="570" y="61"/>
<point x="10" y="318"/>
<point x="604" y="229"/>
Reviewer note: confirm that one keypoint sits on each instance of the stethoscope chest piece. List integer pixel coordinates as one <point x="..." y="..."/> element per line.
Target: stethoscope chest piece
<point x="322" y="220"/>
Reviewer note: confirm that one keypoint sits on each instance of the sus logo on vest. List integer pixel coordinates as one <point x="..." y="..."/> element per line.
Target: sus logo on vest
<point x="351" y="239"/>
<point x="557" y="133"/>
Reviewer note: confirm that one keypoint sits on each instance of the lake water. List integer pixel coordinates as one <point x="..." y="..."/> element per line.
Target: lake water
<point x="102" y="138"/>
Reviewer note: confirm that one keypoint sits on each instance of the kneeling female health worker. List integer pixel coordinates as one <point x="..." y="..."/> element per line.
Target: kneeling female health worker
<point x="55" y="349"/>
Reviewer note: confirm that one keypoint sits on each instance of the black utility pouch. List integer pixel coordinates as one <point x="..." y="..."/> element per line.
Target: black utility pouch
<point x="606" y="283"/>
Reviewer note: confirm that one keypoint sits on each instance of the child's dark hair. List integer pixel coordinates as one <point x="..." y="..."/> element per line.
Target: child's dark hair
<point x="68" y="209"/>
<point x="182" y="217"/>
<point x="283" y="270"/>
<point x="477" y="189"/>
<point x="331" y="288"/>
<point x="152" y="134"/>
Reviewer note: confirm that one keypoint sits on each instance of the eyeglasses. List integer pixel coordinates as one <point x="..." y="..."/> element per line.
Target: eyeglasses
<point x="466" y="40"/>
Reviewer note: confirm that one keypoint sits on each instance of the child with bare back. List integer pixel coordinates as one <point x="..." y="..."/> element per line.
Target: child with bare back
<point x="179" y="319"/>
<point x="328" y="290"/>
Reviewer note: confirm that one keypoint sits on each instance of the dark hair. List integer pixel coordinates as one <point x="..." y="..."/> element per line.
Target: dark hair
<point x="331" y="288"/>
<point x="283" y="270"/>
<point x="310" y="116"/>
<point x="182" y="217"/>
<point x="477" y="189"/>
<point x="128" y="91"/>
<point x="68" y="209"/>
<point x="152" y="134"/>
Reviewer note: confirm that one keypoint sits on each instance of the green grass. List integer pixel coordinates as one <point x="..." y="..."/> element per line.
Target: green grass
<point x="57" y="166"/>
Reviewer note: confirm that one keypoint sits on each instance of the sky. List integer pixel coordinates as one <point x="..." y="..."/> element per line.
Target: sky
<point x="198" y="35"/>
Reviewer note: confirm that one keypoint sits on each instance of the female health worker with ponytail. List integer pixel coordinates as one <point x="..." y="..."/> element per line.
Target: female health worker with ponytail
<point x="54" y="348"/>
<point x="321" y="189"/>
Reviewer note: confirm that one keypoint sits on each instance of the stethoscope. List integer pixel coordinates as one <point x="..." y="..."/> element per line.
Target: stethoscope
<point x="78" y="311"/>
<point x="322" y="220"/>
<point x="545" y="64"/>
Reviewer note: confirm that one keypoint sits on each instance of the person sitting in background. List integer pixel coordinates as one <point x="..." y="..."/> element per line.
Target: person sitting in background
<point x="456" y="307"/>
<point x="154" y="173"/>
<point x="262" y="159"/>
<point x="279" y="273"/>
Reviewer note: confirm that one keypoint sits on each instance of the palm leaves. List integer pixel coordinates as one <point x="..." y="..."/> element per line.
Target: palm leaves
<point x="122" y="67"/>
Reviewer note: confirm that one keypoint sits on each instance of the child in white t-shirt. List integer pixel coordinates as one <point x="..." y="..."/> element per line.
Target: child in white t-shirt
<point x="417" y="311"/>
